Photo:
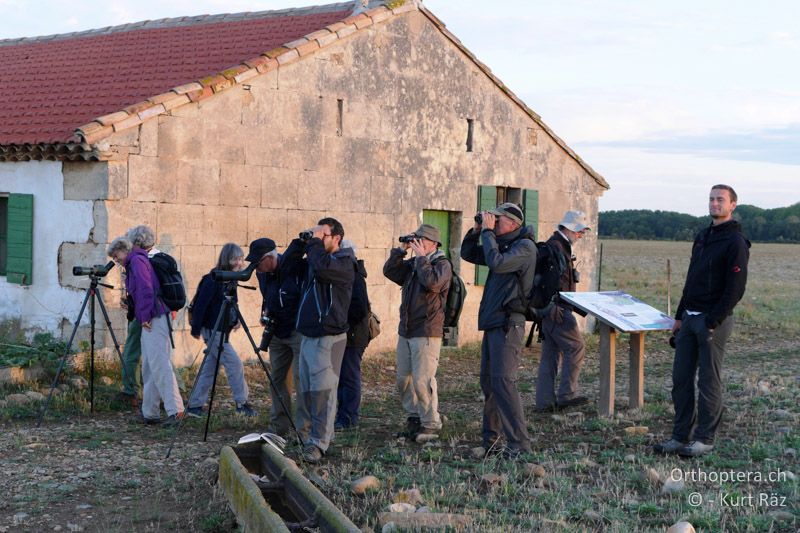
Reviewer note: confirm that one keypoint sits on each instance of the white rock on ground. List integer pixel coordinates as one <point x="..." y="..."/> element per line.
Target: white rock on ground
<point x="681" y="527"/>
<point x="364" y="484"/>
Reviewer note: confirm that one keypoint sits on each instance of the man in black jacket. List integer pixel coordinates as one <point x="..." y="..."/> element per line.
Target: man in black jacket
<point x="563" y="343"/>
<point x="508" y="248"/>
<point x="322" y="323"/>
<point x="714" y="285"/>
<point x="280" y="278"/>
<point x="425" y="280"/>
<point x="348" y="394"/>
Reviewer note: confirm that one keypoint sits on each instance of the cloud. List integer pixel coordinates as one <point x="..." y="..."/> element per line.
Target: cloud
<point x="772" y="145"/>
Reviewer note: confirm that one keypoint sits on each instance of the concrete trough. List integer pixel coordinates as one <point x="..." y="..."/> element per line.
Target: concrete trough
<point x="282" y="499"/>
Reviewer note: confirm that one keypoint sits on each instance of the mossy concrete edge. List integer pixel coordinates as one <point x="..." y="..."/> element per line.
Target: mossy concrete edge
<point x="329" y="517"/>
<point x="244" y="497"/>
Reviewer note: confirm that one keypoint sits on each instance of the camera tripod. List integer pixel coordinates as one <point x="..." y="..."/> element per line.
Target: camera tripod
<point x="94" y="296"/>
<point x="229" y="303"/>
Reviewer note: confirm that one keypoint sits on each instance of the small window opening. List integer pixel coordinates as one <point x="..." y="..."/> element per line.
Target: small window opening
<point x="470" y="132"/>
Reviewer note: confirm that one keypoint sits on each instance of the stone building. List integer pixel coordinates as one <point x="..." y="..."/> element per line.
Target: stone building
<point x="226" y="128"/>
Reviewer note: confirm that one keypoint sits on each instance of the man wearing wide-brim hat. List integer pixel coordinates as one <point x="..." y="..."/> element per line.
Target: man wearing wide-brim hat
<point x="563" y="343"/>
<point x="425" y="281"/>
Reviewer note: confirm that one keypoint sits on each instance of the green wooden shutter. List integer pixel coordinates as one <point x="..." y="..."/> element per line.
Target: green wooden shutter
<point x="19" y="264"/>
<point x="530" y="204"/>
<point x="487" y="199"/>
<point x="440" y="219"/>
<point x="3" y="233"/>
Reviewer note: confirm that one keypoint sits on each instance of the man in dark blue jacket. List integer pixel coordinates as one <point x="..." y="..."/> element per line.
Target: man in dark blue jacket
<point x="508" y="248"/>
<point x="322" y="323"/>
<point x="280" y="278"/>
<point x="714" y="285"/>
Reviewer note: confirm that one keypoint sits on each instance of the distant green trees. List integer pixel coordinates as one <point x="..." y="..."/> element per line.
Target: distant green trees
<point x="762" y="225"/>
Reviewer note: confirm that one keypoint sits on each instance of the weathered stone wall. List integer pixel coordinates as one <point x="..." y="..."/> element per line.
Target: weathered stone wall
<point x="272" y="157"/>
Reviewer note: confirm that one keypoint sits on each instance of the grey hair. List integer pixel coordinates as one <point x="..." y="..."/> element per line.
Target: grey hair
<point x="229" y="252"/>
<point x="142" y="236"/>
<point x="347" y="243"/>
<point x="119" y="244"/>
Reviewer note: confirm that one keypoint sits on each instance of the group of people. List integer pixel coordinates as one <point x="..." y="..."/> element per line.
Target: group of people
<point x="315" y="300"/>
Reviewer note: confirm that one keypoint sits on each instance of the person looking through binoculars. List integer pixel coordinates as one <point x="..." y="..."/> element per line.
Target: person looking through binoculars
<point x="158" y="377"/>
<point x="280" y="278"/>
<point x="205" y="309"/>
<point x="322" y="322"/>
<point x="425" y="281"/>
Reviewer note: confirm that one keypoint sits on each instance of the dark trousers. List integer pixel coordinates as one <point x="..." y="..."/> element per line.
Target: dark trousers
<point x="698" y="351"/>
<point x="502" y="408"/>
<point x="348" y="394"/>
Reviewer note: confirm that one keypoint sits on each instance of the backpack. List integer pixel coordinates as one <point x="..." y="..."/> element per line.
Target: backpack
<point x="456" y="296"/>
<point x="550" y="265"/>
<point x="172" y="293"/>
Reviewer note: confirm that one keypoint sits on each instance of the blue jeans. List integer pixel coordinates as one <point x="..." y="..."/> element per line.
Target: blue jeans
<point x="233" y="369"/>
<point x="349" y="392"/>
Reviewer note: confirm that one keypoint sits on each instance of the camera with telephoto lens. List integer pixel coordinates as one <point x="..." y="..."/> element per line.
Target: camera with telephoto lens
<point x="478" y="218"/>
<point x="306" y="235"/>
<point x="96" y="270"/>
<point x="269" y="331"/>
<point x="407" y="238"/>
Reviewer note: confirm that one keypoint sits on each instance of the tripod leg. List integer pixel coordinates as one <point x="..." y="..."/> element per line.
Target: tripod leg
<point x="269" y="375"/>
<point x="93" y="292"/>
<point x="108" y="325"/>
<point x="224" y="317"/>
<point x="197" y="379"/>
<point x="63" y="360"/>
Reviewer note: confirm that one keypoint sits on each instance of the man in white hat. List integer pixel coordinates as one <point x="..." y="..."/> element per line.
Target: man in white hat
<point x="563" y="343"/>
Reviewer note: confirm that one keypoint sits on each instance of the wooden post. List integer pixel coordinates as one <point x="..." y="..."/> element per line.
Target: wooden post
<point x="636" y="391"/>
<point x="669" y="289"/>
<point x="608" y="361"/>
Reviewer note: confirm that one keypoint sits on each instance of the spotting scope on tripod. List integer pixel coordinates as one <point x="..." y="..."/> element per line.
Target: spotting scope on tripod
<point x="95" y="273"/>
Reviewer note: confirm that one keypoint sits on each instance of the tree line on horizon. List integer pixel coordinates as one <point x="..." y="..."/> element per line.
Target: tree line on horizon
<point x="780" y="224"/>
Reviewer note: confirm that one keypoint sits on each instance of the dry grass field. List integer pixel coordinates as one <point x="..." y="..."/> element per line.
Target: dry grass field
<point x="106" y="472"/>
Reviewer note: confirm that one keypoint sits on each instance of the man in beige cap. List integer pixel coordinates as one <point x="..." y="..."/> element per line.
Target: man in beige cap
<point x="563" y="341"/>
<point x="501" y="242"/>
<point x="425" y="280"/>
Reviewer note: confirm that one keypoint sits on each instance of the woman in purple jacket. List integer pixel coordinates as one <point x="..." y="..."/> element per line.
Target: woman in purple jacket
<point x="158" y="377"/>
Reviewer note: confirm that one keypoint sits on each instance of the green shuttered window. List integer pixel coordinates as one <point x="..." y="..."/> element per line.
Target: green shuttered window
<point x="18" y="239"/>
<point x="490" y="196"/>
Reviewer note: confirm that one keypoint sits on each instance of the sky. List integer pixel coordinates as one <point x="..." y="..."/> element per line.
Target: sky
<point x="664" y="98"/>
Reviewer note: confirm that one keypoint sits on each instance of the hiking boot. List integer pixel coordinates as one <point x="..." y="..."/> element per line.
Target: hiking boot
<point x="246" y="409"/>
<point x="572" y="402"/>
<point x="172" y="420"/>
<point x="151" y="421"/>
<point x="427" y="435"/>
<point x="669" y="446"/>
<point x="195" y="412"/>
<point x="312" y="454"/>
<point x="413" y="426"/>
<point x="695" y="449"/>
<point x="545" y="408"/>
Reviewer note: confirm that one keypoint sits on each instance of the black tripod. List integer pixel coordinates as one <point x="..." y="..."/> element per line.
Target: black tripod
<point x="229" y="303"/>
<point x="93" y="295"/>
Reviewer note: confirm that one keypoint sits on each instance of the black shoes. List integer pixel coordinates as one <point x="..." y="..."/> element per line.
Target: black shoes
<point x="572" y="402"/>
<point x="413" y="428"/>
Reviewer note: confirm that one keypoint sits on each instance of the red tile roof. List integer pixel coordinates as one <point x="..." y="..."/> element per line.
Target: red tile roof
<point x="88" y="85"/>
<point x="51" y="86"/>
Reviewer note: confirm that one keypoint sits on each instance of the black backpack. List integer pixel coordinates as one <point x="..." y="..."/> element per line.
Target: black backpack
<point x="456" y="296"/>
<point x="172" y="292"/>
<point x="550" y="266"/>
